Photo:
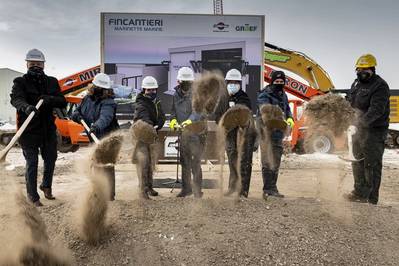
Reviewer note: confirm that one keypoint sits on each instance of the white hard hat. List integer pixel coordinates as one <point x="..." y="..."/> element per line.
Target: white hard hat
<point x="185" y="74"/>
<point x="102" y="80"/>
<point x="149" y="82"/>
<point x="35" y="55"/>
<point x="233" y="74"/>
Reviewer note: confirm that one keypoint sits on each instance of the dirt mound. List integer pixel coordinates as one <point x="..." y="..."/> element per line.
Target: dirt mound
<point x="42" y="255"/>
<point x="207" y="90"/>
<point x="236" y="116"/>
<point x="273" y="117"/>
<point x="330" y="111"/>
<point x="107" y="151"/>
<point x="144" y="132"/>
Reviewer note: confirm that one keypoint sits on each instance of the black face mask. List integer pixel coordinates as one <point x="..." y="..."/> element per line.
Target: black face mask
<point x="36" y="74"/>
<point x="363" y="76"/>
<point x="97" y="92"/>
<point x="278" y="87"/>
<point x="185" y="86"/>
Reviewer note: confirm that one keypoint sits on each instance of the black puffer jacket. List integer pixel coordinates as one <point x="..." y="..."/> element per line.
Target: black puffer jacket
<point x="181" y="106"/>
<point x="241" y="97"/>
<point x="26" y="91"/>
<point x="148" y="111"/>
<point x="372" y="100"/>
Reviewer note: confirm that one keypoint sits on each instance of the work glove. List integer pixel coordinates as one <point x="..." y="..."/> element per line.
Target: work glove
<point x="186" y="123"/>
<point x="290" y="122"/>
<point x="173" y="125"/>
<point x="77" y="118"/>
<point x="93" y="129"/>
<point x="47" y="99"/>
<point x="29" y="109"/>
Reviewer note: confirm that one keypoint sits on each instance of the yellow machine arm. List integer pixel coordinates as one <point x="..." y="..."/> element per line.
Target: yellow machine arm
<point x="300" y="64"/>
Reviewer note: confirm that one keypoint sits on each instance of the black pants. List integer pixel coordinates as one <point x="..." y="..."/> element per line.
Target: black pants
<point x="145" y="165"/>
<point x="191" y="150"/>
<point x="271" y="154"/>
<point x="246" y="158"/>
<point x="368" y="144"/>
<point x="48" y="151"/>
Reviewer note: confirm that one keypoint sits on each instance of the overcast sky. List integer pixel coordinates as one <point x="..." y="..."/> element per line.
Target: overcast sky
<point x="334" y="33"/>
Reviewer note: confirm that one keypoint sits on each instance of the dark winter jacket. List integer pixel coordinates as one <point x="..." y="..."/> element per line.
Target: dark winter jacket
<point x="99" y="112"/>
<point x="372" y="100"/>
<point x="181" y="105"/>
<point x="25" y="92"/>
<point x="149" y="111"/>
<point x="268" y="96"/>
<point x="241" y="97"/>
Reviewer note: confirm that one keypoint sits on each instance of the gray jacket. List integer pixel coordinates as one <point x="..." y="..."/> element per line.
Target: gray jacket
<point x="181" y="105"/>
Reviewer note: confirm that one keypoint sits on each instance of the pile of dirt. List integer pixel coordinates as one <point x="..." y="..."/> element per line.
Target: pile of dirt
<point x="207" y="91"/>
<point x="31" y="246"/>
<point x="107" y="151"/>
<point x="330" y="112"/>
<point x="142" y="131"/>
<point x="236" y="116"/>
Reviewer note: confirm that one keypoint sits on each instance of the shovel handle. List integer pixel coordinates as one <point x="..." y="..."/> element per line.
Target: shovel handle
<point x="21" y="130"/>
<point x="88" y="131"/>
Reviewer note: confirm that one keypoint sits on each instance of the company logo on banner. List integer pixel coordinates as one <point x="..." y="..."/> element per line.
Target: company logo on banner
<point x="136" y="24"/>
<point x="246" y="27"/>
<point x="220" y="27"/>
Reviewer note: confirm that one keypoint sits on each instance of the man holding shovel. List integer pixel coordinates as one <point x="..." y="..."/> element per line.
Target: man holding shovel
<point x="369" y="95"/>
<point x="238" y="104"/>
<point x="98" y="111"/>
<point x="148" y="119"/>
<point x="40" y="134"/>
<point x="274" y="95"/>
<point x="192" y="145"/>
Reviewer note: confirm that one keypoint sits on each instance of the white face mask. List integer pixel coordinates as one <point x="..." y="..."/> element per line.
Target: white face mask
<point x="233" y="88"/>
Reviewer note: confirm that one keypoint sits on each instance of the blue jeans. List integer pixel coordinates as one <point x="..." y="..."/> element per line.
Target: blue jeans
<point x="48" y="151"/>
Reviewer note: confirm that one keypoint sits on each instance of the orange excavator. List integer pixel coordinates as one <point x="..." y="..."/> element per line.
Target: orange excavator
<point x="71" y="135"/>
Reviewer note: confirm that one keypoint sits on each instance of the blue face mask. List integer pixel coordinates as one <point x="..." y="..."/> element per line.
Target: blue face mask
<point x="233" y="88"/>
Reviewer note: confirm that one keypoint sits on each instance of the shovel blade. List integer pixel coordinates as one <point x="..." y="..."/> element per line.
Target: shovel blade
<point x="350" y="159"/>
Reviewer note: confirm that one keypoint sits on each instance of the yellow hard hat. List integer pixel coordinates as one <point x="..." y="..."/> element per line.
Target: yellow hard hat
<point x="366" y="61"/>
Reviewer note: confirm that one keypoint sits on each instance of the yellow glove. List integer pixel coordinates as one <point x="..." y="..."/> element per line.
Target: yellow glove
<point x="187" y="122"/>
<point x="173" y="124"/>
<point x="290" y="122"/>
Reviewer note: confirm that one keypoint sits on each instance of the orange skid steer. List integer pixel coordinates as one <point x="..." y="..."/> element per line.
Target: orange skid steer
<point x="71" y="135"/>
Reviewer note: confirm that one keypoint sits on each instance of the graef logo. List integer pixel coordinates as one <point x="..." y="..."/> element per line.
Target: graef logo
<point x="246" y="27"/>
<point x="220" y="27"/>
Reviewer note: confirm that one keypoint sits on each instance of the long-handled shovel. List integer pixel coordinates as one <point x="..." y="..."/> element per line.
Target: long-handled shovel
<point x="21" y="130"/>
<point x="88" y="131"/>
<point x="350" y="157"/>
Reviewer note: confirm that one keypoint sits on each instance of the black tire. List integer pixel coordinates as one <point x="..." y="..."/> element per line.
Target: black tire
<point x="64" y="145"/>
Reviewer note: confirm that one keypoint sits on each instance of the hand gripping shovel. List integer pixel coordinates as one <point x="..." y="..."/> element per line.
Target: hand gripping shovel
<point x="88" y="131"/>
<point x="21" y="130"/>
<point x="350" y="157"/>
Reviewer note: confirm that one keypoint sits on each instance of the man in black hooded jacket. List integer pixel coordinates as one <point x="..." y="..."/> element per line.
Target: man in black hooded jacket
<point x="41" y="131"/>
<point x="369" y="95"/>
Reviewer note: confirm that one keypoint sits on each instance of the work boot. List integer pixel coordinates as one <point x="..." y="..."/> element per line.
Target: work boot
<point x="144" y="195"/>
<point x="229" y="192"/>
<point x="244" y="194"/>
<point x="152" y="192"/>
<point x="274" y="193"/>
<point x="265" y="195"/>
<point x="184" y="193"/>
<point x="353" y="197"/>
<point x="37" y="203"/>
<point x="47" y="192"/>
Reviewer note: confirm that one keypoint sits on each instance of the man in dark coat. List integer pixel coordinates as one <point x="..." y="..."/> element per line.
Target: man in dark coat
<point x="274" y="94"/>
<point x="148" y="109"/>
<point x="40" y="135"/>
<point x="191" y="145"/>
<point x="369" y="95"/>
<point x="238" y="97"/>
<point x="98" y="110"/>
